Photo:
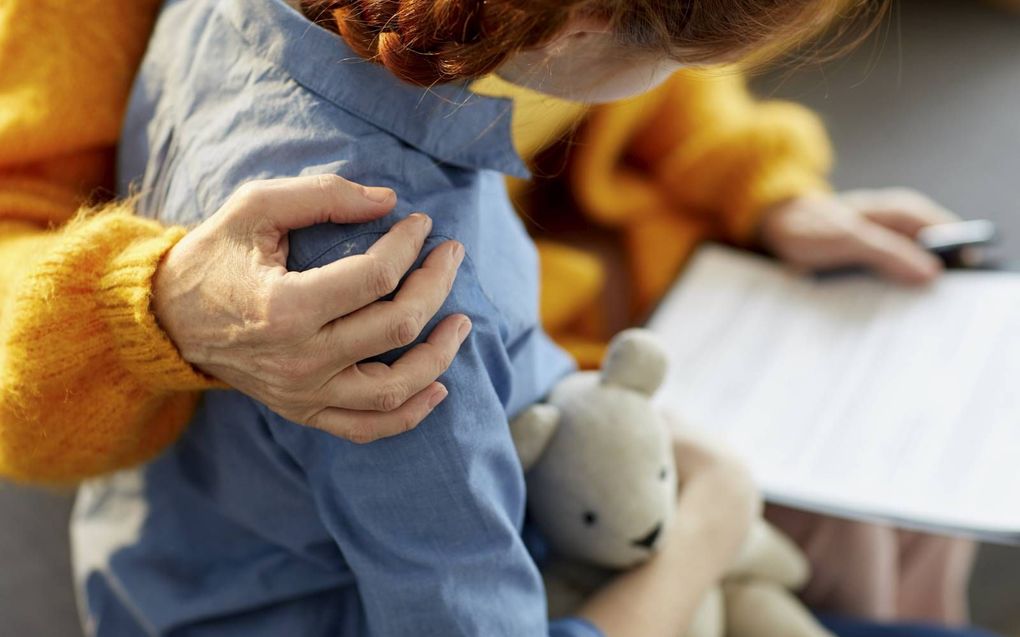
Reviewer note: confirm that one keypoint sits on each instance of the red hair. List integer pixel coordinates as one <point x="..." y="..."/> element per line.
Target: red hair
<point x="434" y="41"/>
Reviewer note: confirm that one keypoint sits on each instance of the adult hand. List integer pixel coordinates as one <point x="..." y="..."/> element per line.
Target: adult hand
<point x="293" y="340"/>
<point x="874" y="229"/>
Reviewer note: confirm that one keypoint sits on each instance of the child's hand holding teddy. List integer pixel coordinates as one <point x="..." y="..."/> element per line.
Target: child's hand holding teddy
<point x="652" y="530"/>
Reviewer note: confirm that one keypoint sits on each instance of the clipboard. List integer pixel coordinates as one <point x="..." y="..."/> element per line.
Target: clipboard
<point x="854" y="397"/>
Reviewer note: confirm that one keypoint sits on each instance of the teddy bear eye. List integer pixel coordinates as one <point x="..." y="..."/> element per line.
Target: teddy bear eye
<point x="590" y="518"/>
<point x="663" y="473"/>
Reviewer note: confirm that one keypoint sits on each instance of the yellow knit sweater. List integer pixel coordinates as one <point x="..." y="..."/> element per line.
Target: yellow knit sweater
<point x="696" y="159"/>
<point x="88" y="381"/>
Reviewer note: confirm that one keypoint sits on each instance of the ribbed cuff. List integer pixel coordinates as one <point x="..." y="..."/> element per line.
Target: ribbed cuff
<point x="124" y="300"/>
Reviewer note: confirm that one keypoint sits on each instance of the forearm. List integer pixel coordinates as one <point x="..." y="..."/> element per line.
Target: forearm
<point x="745" y="155"/>
<point x="661" y="596"/>
<point x="722" y="156"/>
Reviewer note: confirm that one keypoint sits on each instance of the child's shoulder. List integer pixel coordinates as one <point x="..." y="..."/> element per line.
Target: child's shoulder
<point x="232" y="91"/>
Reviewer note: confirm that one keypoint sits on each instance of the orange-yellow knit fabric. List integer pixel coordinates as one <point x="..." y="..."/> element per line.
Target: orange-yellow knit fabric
<point x="697" y="159"/>
<point x="88" y="381"/>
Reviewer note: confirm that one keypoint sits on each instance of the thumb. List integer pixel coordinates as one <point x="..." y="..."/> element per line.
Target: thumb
<point x="297" y="202"/>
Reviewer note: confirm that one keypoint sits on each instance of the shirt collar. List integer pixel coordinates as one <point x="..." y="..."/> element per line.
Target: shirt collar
<point x="448" y="122"/>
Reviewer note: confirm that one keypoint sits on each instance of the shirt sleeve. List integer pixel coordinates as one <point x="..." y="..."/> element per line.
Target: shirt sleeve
<point x="429" y="521"/>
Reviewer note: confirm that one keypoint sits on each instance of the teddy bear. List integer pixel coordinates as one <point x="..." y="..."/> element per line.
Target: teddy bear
<point x="602" y="489"/>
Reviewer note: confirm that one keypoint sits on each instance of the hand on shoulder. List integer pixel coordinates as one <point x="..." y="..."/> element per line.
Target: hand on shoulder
<point x="295" y="340"/>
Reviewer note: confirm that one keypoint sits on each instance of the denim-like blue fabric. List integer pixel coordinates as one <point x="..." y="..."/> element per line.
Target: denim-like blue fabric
<point x="251" y="525"/>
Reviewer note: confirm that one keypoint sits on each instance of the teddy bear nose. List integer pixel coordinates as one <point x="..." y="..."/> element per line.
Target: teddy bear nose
<point x="648" y="541"/>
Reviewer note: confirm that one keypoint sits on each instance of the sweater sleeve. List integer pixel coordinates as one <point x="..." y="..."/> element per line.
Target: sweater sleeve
<point x="702" y="147"/>
<point x="88" y="381"/>
<point x="733" y="156"/>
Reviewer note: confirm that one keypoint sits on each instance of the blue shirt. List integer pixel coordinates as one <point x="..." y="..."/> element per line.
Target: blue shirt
<point x="252" y="525"/>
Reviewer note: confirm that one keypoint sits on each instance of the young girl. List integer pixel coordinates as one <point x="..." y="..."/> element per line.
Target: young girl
<point x="419" y="534"/>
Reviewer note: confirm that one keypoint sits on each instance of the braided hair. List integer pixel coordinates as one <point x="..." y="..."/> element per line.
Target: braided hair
<point x="426" y="42"/>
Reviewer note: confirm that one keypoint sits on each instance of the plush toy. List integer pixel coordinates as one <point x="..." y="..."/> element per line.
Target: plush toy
<point x="602" y="488"/>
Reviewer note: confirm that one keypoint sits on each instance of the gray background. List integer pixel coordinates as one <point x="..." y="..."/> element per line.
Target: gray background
<point x="935" y="104"/>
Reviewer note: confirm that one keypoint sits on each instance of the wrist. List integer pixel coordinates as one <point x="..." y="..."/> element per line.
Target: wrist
<point x="126" y="298"/>
<point x="768" y="231"/>
<point x="163" y="304"/>
<point x="176" y="302"/>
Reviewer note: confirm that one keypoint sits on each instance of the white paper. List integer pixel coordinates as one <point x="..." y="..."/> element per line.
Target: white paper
<point x="853" y="396"/>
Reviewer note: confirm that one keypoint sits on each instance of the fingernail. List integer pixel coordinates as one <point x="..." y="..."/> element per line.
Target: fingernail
<point x="438" y="396"/>
<point x="464" y="329"/>
<point x="423" y="219"/>
<point x="457" y="253"/>
<point x="379" y="195"/>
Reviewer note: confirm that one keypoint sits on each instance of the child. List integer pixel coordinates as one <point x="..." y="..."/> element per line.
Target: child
<point x="418" y="534"/>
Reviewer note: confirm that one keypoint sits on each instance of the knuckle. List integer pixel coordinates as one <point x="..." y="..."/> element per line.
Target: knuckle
<point x="250" y="194"/>
<point x="390" y="397"/>
<point x="445" y="358"/>
<point x="407" y="422"/>
<point x="405" y="329"/>
<point x="329" y="182"/>
<point x="450" y="279"/>
<point x="360" y="434"/>
<point x="385" y="277"/>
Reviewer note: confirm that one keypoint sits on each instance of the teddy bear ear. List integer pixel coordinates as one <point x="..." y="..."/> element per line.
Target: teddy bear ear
<point x="532" y="430"/>
<point x="636" y="360"/>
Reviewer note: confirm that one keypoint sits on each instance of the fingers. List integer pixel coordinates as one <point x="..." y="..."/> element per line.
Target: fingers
<point x="891" y="220"/>
<point x="387" y="325"/>
<point x="279" y="205"/>
<point x="346" y="285"/>
<point x="367" y="426"/>
<point x="894" y="255"/>
<point x="380" y="387"/>
<point x="901" y="210"/>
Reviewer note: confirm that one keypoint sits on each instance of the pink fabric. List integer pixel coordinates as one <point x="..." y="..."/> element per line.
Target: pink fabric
<point x="879" y="572"/>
